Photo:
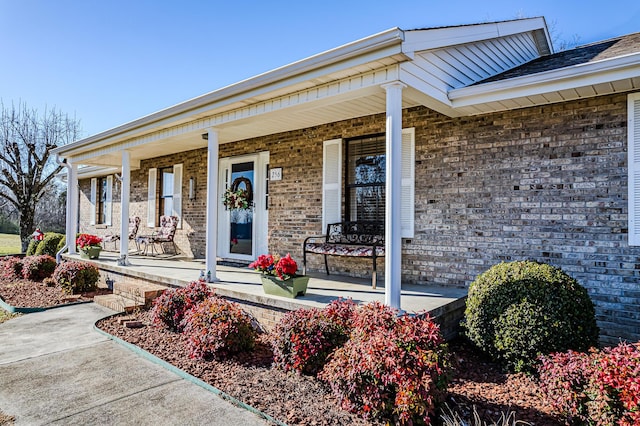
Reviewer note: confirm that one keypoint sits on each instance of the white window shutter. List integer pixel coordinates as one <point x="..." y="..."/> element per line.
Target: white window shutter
<point x="108" y="201"/>
<point x="92" y="201"/>
<point x="151" y="198"/>
<point x="177" y="193"/>
<point x="407" y="198"/>
<point x="331" y="182"/>
<point x="634" y="168"/>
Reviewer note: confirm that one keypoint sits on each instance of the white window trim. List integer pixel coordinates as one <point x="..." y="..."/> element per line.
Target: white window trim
<point x="108" y="215"/>
<point x="92" y="201"/>
<point x="151" y="198"/>
<point x="331" y="191"/>
<point x="633" y="152"/>
<point x="177" y="193"/>
<point x="407" y="201"/>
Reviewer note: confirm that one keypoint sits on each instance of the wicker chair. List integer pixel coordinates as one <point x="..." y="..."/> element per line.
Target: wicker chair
<point x="134" y="225"/>
<point x="166" y="234"/>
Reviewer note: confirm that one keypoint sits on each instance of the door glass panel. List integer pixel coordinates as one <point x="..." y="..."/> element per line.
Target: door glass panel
<point x="241" y="238"/>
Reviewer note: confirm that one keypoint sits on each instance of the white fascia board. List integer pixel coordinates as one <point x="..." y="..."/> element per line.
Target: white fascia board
<point x="86" y="172"/>
<point x="627" y="66"/>
<point x="419" y="40"/>
<point x="344" y="53"/>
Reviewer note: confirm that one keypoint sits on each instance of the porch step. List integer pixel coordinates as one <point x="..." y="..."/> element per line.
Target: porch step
<point x="129" y="296"/>
<point x="117" y="303"/>
<point x="141" y="293"/>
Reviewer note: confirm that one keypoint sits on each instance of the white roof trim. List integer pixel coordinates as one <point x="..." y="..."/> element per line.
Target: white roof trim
<point x="434" y="38"/>
<point x="606" y="70"/>
<point x="393" y="36"/>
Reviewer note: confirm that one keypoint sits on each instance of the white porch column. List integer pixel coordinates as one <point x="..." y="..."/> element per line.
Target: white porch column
<point x="393" y="240"/>
<point x="125" y="192"/>
<point x="72" y="207"/>
<point x="212" y="204"/>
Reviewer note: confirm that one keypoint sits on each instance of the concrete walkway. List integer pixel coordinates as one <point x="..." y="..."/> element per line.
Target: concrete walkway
<point x="55" y="369"/>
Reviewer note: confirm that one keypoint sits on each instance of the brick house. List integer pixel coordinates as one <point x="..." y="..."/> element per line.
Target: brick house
<point x="474" y="145"/>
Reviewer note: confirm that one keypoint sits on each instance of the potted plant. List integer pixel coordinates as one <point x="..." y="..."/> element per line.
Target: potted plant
<point x="279" y="276"/>
<point x="89" y="246"/>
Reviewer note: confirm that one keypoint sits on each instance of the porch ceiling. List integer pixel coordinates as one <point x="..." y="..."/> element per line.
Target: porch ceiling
<point x="368" y="101"/>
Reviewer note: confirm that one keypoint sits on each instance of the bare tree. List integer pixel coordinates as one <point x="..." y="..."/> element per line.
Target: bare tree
<point x="51" y="211"/>
<point x="26" y="140"/>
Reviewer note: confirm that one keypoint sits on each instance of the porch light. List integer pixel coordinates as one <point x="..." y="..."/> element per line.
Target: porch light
<point x="205" y="136"/>
<point x="192" y="188"/>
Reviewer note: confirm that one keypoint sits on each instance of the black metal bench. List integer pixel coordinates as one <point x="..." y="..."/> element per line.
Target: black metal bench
<point x="348" y="239"/>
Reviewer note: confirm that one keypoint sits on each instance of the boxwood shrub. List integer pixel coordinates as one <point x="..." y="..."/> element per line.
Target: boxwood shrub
<point x="31" y="248"/>
<point x="76" y="277"/>
<point x="519" y="310"/>
<point x="61" y="244"/>
<point x="49" y="244"/>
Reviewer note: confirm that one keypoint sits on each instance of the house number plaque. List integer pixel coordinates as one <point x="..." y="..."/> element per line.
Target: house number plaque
<point x="275" y="174"/>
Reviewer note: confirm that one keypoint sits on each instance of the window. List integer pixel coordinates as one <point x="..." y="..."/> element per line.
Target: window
<point x="101" y="200"/>
<point x="101" y="204"/>
<point x="166" y="192"/>
<point x="170" y="194"/>
<point x="365" y="179"/>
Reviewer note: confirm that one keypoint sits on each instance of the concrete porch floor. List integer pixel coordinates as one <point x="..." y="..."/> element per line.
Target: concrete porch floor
<point x="244" y="284"/>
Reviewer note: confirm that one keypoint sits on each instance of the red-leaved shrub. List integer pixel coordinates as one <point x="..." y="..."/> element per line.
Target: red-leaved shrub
<point x="218" y="328"/>
<point x="11" y="268"/>
<point x="394" y="368"/>
<point x="599" y="387"/>
<point x="76" y="277"/>
<point x="170" y="307"/>
<point x="37" y="268"/>
<point x="304" y="338"/>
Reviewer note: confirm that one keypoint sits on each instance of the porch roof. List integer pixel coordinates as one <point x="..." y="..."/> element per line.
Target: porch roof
<point x="457" y="71"/>
<point x="338" y="84"/>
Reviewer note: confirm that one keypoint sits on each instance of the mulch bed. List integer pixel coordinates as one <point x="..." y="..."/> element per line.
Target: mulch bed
<point x="6" y="419"/>
<point x="478" y="385"/>
<point x="30" y="294"/>
<point x="299" y="400"/>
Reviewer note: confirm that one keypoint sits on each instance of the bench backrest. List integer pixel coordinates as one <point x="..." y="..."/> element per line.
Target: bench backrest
<point x="358" y="233"/>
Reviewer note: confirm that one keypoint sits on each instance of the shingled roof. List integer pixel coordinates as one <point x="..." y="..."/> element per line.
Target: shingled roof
<point x="606" y="49"/>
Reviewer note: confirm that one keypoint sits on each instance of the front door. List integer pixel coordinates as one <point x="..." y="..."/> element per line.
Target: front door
<point x="243" y="225"/>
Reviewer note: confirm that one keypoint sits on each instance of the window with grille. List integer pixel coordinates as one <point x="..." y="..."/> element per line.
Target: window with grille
<point x="365" y="179"/>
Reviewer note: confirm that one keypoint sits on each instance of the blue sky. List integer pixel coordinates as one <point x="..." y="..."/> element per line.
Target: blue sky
<point x="111" y="61"/>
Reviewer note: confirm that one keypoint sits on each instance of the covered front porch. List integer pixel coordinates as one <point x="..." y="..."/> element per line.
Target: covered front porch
<point x="243" y="285"/>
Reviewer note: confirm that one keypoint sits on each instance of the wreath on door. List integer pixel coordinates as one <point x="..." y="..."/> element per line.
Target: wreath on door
<point x="239" y="196"/>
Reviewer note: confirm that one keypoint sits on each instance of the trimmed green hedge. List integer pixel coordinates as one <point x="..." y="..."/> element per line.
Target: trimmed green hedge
<point x="49" y="244"/>
<point x="517" y="311"/>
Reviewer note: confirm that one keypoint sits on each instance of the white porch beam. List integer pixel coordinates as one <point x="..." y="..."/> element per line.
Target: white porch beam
<point x="392" y="238"/>
<point x="125" y="192"/>
<point x="212" y="205"/>
<point x="72" y="207"/>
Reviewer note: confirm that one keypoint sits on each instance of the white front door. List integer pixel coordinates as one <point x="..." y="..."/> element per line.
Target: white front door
<point x="243" y="232"/>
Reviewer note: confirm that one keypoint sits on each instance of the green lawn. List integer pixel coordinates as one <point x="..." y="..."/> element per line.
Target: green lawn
<point x="9" y="244"/>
